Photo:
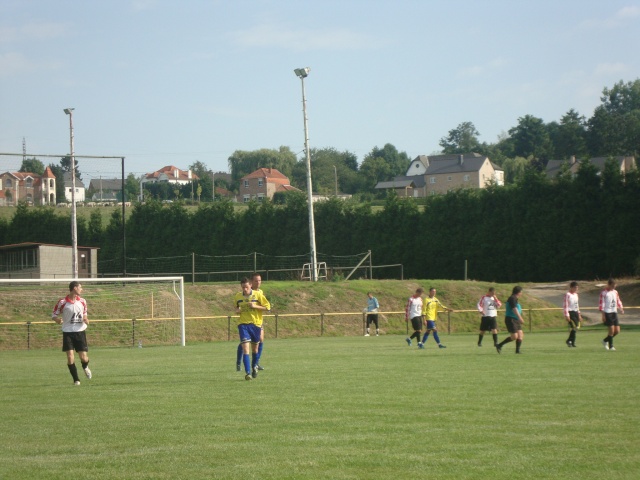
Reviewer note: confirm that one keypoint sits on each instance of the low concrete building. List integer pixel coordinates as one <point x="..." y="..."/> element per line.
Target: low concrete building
<point x="41" y="260"/>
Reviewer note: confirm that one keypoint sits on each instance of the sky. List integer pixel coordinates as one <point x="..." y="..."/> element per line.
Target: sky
<point x="163" y="82"/>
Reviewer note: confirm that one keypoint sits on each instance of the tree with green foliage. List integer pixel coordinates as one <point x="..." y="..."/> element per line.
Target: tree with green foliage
<point x="65" y="163"/>
<point x="531" y="139"/>
<point x="32" y="165"/>
<point x="462" y="139"/>
<point x="614" y="128"/>
<point x="569" y="137"/>
<point x="243" y="163"/>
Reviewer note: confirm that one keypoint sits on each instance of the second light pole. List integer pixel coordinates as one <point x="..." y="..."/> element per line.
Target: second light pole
<point x="302" y="73"/>
<point x="74" y="222"/>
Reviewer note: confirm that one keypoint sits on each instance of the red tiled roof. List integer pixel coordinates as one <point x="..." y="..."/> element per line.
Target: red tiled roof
<point x="271" y="174"/>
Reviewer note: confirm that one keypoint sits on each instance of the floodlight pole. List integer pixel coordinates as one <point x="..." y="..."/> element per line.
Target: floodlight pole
<point x="302" y="73"/>
<point x="74" y="223"/>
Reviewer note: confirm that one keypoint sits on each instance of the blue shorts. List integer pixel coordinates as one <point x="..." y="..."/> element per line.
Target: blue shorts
<point x="249" y="332"/>
<point x="431" y="325"/>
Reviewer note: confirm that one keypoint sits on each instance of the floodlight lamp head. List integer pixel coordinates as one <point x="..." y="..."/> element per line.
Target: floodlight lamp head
<point x="68" y="110"/>
<point x="302" y="72"/>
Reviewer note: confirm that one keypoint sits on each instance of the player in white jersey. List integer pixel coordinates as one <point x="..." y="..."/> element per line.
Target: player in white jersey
<point x="609" y="305"/>
<point x="572" y="313"/>
<point x="71" y="313"/>
<point x="413" y="312"/>
<point x="488" y="307"/>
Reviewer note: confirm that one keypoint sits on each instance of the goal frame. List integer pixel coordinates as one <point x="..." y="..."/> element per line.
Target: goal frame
<point x="113" y="280"/>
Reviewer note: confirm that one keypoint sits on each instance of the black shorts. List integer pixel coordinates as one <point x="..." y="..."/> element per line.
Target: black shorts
<point x="416" y="323"/>
<point x="575" y="318"/>
<point x="513" y="324"/>
<point x="488" y="323"/>
<point x="611" y="319"/>
<point x="74" y="341"/>
<point x="372" y="317"/>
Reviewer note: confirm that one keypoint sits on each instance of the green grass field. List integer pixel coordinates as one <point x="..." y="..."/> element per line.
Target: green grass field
<point x="338" y="408"/>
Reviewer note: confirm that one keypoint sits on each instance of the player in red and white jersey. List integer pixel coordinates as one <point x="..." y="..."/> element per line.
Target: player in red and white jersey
<point x="413" y="312"/>
<point x="488" y="307"/>
<point x="71" y="313"/>
<point x="609" y="304"/>
<point x="572" y="312"/>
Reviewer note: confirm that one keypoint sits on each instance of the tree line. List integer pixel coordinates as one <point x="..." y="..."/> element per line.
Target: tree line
<point x="537" y="229"/>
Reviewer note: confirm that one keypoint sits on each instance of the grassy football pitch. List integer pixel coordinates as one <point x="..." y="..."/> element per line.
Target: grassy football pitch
<point x="335" y="408"/>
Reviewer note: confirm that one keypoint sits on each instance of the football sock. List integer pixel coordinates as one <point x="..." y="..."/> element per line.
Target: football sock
<point x="84" y="365"/>
<point x="608" y="340"/>
<point x="74" y="372"/>
<point x="424" y="338"/>
<point x="415" y="335"/>
<point x="506" y="340"/>
<point x="239" y="354"/>
<point x="260" y="345"/>
<point x="247" y="362"/>
<point x="495" y="338"/>
<point x="518" y="344"/>
<point x="480" y="337"/>
<point x="436" y="337"/>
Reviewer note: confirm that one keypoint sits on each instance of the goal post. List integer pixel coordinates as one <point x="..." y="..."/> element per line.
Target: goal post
<point x="124" y="311"/>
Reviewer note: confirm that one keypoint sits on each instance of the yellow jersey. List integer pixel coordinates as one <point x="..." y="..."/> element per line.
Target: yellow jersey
<point x="248" y="314"/>
<point x="430" y="308"/>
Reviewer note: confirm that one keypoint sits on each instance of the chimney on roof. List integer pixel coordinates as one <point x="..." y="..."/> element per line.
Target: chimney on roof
<point x="269" y="170"/>
<point x="461" y="159"/>
<point x="175" y="173"/>
<point x="189" y="174"/>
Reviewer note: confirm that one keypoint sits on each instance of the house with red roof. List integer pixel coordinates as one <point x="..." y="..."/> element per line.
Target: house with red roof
<point x="170" y="174"/>
<point x="261" y="184"/>
<point x="28" y="187"/>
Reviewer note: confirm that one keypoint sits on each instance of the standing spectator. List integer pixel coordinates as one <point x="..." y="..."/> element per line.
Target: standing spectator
<point x="372" y="313"/>
<point x="430" y="310"/>
<point x="71" y="313"/>
<point x="513" y="320"/>
<point x="572" y="313"/>
<point x="488" y="306"/>
<point x="250" y="304"/>
<point x="609" y="305"/>
<point x="413" y="312"/>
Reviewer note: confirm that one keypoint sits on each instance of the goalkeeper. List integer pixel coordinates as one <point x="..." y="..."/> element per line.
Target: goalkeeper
<point x="250" y="304"/>
<point x="572" y="313"/>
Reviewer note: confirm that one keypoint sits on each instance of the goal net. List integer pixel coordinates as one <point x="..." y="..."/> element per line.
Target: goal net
<point x="121" y="312"/>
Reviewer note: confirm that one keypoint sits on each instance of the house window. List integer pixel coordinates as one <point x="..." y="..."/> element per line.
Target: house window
<point x="246" y="198"/>
<point x="51" y="182"/>
<point x="449" y="178"/>
<point x="7" y="183"/>
<point x="466" y="178"/>
<point x="29" y="182"/>
<point x="432" y="180"/>
<point x="259" y="182"/>
<point x="260" y="197"/>
<point x="246" y="184"/>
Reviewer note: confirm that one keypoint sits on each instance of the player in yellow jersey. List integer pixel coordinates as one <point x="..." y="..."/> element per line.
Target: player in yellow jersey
<point x="256" y="281"/>
<point x="430" y="309"/>
<point x="250" y="304"/>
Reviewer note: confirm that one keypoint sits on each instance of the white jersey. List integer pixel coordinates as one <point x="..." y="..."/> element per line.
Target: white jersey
<point x="414" y="308"/>
<point x="73" y="313"/>
<point x="488" y="306"/>
<point x="610" y="301"/>
<point x="570" y="303"/>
